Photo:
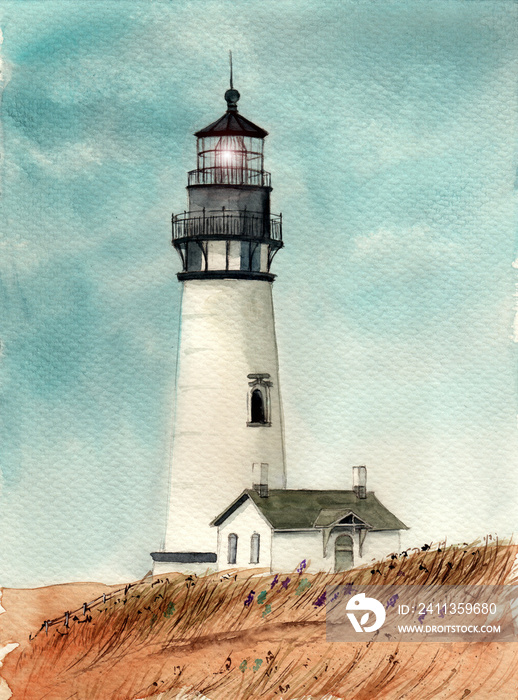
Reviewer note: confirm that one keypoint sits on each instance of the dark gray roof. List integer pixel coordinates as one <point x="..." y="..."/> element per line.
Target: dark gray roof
<point x="295" y="509"/>
<point x="232" y="124"/>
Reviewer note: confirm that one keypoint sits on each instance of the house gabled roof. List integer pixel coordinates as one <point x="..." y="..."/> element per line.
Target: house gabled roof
<point x="300" y="509"/>
<point x="232" y="124"/>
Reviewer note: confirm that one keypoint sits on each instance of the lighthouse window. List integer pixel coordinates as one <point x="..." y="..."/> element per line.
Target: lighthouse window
<point x="258" y="412"/>
<point x="250" y="256"/>
<point x="194" y="256"/>
<point x="245" y="255"/>
<point x="254" y="548"/>
<point x="259" y="400"/>
<point x="255" y="258"/>
<point x="232" y="548"/>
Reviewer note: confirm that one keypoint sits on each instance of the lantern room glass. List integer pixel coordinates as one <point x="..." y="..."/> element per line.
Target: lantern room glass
<point x="230" y="160"/>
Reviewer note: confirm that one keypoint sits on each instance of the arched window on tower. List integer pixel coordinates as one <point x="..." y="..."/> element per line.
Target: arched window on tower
<point x="254" y="548"/>
<point x="232" y="548"/>
<point x="257" y="407"/>
<point x="259" y="400"/>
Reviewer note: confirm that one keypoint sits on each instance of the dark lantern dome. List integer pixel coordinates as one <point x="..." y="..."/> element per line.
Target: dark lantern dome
<point x="232" y="123"/>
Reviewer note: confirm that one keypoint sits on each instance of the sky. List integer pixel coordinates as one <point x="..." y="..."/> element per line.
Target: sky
<point x="392" y="148"/>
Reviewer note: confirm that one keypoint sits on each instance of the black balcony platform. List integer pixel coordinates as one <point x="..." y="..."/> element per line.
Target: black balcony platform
<point x="185" y="557"/>
<point x="225" y="275"/>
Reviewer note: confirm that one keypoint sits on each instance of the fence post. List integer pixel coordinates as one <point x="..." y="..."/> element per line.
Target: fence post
<point x="46" y="626"/>
<point x="84" y="608"/>
<point x="104" y="597"/>
<point x="66" y="618"/>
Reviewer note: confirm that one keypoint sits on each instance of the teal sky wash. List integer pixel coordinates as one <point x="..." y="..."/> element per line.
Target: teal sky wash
<point x="392" y="148"/>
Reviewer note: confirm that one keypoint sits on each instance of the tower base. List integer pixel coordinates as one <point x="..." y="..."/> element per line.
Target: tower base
<point x="199" y="563"/>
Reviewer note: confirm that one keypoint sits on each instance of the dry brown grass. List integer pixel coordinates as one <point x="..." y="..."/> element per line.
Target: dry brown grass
<point x="199" y="635"/>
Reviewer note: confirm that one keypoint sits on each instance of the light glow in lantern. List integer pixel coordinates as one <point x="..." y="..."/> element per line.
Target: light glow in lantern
<point x="226" y="156"/>
<point x="231" y="152"/>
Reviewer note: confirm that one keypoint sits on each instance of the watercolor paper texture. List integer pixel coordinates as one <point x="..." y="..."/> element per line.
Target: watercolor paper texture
<point x="392" y="148"/>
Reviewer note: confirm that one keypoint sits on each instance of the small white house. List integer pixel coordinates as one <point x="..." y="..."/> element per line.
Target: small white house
<point x="330" y="530"/>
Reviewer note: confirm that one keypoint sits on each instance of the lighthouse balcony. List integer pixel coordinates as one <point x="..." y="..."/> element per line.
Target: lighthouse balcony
<point x="225" y="223"/>
<point x="229" y="175"/>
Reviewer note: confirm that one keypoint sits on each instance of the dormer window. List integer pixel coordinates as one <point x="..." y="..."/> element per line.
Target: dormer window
<point x="259" y="400"/>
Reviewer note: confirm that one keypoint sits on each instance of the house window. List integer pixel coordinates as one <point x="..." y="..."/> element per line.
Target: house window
<point x="232" y="548"/>
<point x="259" y="400"/>
<point x="254" y="548"/>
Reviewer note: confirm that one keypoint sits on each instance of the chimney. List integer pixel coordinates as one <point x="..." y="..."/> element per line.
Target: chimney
<point x="260" y="478"/>
<point x="360" y="481"/>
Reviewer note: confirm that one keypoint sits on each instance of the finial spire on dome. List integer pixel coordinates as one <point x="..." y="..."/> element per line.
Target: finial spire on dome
<point x="232" y="96"/>
<point x="232" y="123"/>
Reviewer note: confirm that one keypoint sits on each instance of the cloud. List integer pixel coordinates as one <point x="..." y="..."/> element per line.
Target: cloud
<point x="404" y="251"/>
<point x="73" y="158"/>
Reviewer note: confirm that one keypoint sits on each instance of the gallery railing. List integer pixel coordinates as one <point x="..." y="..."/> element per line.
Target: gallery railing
<point x="229" y="175"/>
<point x="227" y="223"/>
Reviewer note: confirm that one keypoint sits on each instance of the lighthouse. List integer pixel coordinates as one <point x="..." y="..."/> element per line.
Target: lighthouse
<point x="228" y="424"/>
<point x="228" y="504"/>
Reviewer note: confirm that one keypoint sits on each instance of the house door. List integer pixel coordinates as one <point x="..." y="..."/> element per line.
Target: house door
<point x="343" y="553"/>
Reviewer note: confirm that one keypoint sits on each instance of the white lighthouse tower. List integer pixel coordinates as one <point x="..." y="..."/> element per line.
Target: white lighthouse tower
<point x="228" y="415"/>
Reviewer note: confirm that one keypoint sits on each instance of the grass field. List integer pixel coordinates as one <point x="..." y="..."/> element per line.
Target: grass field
<point x="242" y="636"/>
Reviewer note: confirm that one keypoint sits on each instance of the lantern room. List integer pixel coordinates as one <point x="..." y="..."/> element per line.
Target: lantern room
<point x="230" y="150"/>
